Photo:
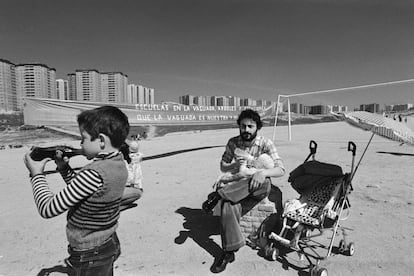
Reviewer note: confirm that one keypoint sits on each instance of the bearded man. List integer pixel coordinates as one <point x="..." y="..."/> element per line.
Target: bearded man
<point x="237" y="196"/>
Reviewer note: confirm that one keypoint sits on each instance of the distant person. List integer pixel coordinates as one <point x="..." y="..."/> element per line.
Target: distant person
<point x="399" y="118"/>
<point x="92" y="197"/>
<point x="235" y="195"/>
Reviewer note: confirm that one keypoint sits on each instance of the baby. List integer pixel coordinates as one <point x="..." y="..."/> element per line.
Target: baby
<point x="247" y="168"/>
<point x="133" y="188"/>
<point x="134" y="167"/>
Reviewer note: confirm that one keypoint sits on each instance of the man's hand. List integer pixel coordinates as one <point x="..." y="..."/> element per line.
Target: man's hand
<point x="257" y="180"/>
<point x="35" y="167"/>
<point x="242" y="157"/>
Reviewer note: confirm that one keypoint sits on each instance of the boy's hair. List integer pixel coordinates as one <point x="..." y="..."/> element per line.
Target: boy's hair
<point x="108" y="120"/>
<point x="250" y="114"/>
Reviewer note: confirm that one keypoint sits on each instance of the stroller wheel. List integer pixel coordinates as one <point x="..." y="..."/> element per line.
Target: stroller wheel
<point x="318" y="271"/>
<point x="351" y="249"/>
<point x="342" y="246"/>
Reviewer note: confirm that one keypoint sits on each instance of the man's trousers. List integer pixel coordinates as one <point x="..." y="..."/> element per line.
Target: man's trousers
<point x="238" y="200"/>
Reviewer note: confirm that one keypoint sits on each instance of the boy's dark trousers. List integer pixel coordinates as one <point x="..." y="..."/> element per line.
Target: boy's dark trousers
<point x="97" y="261"/>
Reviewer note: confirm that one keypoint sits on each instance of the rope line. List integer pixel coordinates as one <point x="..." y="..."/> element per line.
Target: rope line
<point x="349" y="88"/>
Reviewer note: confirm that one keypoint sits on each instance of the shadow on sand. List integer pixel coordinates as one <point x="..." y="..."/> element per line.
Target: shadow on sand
<point x="57" y="268"/>
<point x="199" y="226"/>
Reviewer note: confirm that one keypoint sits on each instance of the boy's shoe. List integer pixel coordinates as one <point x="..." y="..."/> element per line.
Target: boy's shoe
<point x="212" y="200"/>
<point x="220" y="264"/>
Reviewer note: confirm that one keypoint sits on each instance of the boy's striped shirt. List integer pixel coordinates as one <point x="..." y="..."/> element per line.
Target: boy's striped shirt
<point x="79" y="187"/>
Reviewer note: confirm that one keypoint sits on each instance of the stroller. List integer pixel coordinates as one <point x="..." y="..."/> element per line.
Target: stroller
<point x="324" y="191"/>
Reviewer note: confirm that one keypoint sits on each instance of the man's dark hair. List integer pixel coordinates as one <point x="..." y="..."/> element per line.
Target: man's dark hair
<point x="250" y="114"/>
<point x="108" y="120"/>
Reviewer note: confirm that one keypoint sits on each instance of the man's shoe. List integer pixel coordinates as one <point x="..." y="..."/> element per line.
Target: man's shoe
<point x="220" y="264"/>
<point x="211" y="202"/>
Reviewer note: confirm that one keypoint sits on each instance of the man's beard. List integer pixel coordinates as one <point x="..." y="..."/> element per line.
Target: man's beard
<point x="247" y="137"/>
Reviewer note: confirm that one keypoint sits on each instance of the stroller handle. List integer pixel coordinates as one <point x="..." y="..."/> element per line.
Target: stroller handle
<point x="312" y="148"/>
<point x="352" y="147"/>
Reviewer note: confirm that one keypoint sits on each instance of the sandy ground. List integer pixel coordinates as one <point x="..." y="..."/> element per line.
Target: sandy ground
<point x="168" y="234"/>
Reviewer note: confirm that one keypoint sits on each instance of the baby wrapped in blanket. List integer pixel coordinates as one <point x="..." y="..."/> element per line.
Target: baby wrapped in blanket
<point x="247" y="169"/>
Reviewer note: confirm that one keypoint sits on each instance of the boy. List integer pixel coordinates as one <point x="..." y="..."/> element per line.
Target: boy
<point x="92" y="196"/>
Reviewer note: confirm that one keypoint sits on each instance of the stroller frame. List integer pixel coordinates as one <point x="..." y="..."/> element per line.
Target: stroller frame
<point x="303" y="241"/>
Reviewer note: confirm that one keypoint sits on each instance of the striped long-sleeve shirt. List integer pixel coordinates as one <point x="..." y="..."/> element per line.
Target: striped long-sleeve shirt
<point x="80" y="186"/>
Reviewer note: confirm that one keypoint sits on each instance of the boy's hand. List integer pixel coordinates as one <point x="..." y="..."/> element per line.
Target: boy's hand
<point x="35" y="167"/>
<point x="62" y="162"/>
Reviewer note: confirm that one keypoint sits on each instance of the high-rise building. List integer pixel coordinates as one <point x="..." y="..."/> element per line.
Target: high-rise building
<point x="132" y="94"/>
<point x="88" y="85"/>
<point x="8" y="93"/>
<point x="373" y="108"/>
<point x="247" y="102"/>
<point x="72" y="87"/>
<point x="213" y="100"/>
<point x="138" y="94"/>
<point x="35" y="80"/>
<point x="318" y="109"/>
<point x="151" y="96"/>
<point x="186" y="99"/>
<point x="234" y="101"/>
<point x="296" y="108"/>
<point x="221" y="101"/>
<point x="141" y="96"/>
<point x="62" y="89"/>
<point x="114" y="87"/>
<point x="200" y="100"/>
<point x="207" y="101"/>
<point x="402" y="107"/>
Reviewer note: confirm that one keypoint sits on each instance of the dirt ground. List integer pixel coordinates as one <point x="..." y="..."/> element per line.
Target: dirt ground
<point x="168" y="234"/>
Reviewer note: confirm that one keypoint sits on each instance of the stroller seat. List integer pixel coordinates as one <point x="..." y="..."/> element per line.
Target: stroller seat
<point x="317" y="204"/>
<point x="324" y="191"/>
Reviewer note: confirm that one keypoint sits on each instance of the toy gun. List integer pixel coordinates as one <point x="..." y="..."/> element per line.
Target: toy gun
<point x="40" y="153"/>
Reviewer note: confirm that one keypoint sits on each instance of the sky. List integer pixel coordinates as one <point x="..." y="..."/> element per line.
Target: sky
<point x="245" y="48"/>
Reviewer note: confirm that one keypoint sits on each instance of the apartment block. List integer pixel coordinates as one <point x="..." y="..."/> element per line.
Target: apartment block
<point x="296" y="108"/>
<point x="149" y="96"/>
<point x="8" y="93"/>
<point x="318" y="109"/>
<point x="62" y="89"/>
<point x="72" y="87"/>
<point x="234" y="101"/>
<point x="35" y="80"/>
<point x="401" y="107"/>
<point x="338" y="108"/>
<point x="222" y="101"/>
<point x="138" y="94"/>
<point x="373" y="108"/>
<point x="114" y="87"/>
<point x="88" y="85"/>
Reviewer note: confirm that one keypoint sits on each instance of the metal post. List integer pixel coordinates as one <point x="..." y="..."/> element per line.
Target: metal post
<point x="289" y="126"/>
<point x="277" y="111"/>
